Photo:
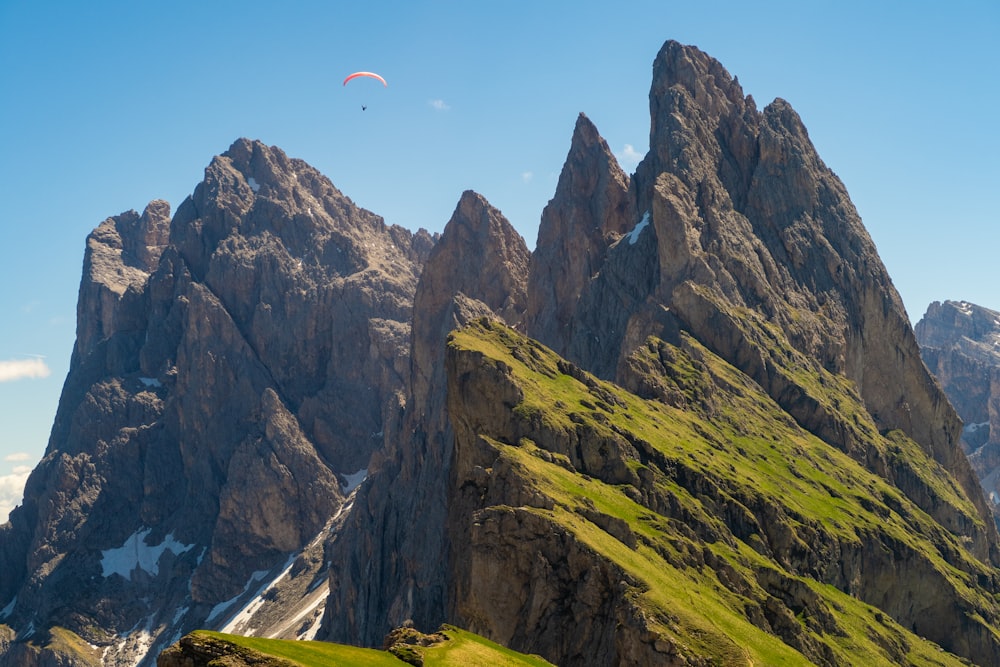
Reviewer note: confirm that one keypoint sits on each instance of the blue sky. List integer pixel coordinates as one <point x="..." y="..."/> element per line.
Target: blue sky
<point x="105" y="106"/>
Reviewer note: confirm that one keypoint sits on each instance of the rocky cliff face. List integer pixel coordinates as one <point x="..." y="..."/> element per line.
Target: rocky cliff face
<point x="960" y="343"/>
<point x="744" y="241"/>
<point x="390" y="564"/>
<point x="591" y="210"/>
<point x="748" y="241"/>
<point x="232" y="366"/>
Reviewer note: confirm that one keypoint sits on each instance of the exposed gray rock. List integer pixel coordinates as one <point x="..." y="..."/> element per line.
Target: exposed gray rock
<point x="235" y="365"/>
<point x="755" y="248"/>
<point x="230" y="364"/>
<point x="591" y="209"/>
<point x="960" y="343"/>
<point x="390" y="563"/>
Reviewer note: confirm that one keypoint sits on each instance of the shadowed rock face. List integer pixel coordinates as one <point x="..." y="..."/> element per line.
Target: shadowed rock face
<point x="958" y="342"/>
<point x="229" y="365"/>
<point x="391" y="562"/>
<point x="590" y="210"/>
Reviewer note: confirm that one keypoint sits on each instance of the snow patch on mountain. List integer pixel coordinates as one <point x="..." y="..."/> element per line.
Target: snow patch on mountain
<point x="223" y="606"/>
<point x="354" y="480"/>
<point x="633" y="235"/>
<point x="135" y="553"/>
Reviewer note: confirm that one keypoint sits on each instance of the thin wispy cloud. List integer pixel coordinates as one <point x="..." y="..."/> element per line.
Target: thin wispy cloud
<point x="527" y="176"/>
<point x="629" y="157"/>
<point x="17" y="456"/>
<point x="21" y="369"/>
<point x="439" y="105"/>
<point x="12" y="490"/>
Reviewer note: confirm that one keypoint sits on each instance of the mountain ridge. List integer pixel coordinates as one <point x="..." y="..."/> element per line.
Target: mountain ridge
<point x="735" y="397"/>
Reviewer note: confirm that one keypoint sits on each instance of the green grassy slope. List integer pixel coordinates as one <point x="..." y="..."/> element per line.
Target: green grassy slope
<point x="748" y="539"/>
<point x="453" y="647"/>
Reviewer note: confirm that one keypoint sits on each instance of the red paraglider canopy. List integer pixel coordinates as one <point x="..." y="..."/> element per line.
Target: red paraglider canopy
<point x="369" y="74"/>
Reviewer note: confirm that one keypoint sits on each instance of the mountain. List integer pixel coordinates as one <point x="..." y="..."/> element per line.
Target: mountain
<point x="232" y="369"/>
<point x="960" y="343"/>
<point x="732" y="247"/>
<point x="691" y="427"/>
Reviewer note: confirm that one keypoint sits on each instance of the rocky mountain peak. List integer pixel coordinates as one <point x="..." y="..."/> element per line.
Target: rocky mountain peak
<point x="120" y="254"/>
<point x="949" y="323"/>
<point x="590" y="210"/>
<point x="234" y="367"/>
<point x="960" y="343"/>
<point x="256" y="191"/>
<point x="696" y="109"/>
<point x="702" y="78"/>
<point x="758" y="252"/>
<point x="743" y="415"/>
<point x="479" y="253"/>
<point x="477" y="269"/>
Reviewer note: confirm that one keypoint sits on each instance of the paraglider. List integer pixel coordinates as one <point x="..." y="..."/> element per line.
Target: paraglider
<point x="373" y="75"/>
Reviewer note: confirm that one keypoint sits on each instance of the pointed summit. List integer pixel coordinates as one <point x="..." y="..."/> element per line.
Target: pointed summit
<point x="591" y="209"/>
<point x="749" y="219"/>
<point x="479" y="256"/>
<point x="477" y="269"/>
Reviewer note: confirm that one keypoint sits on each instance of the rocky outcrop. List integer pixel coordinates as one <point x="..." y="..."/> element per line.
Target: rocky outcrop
<point x="120" y="255"/>
<point x="591" y="210"/>
<point x="960" y="343"/>
<point x="201" y="650"/>
<point x="480" y="256"/>
<point x="389" y="565"/>
<point x="231" y="368"/>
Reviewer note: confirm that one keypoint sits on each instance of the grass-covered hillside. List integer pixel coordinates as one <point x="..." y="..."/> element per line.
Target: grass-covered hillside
<point x="698" y="525"/>
<point x="449" y="647"/>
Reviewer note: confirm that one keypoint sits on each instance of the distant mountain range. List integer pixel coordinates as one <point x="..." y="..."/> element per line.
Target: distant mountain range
<point x="960" y="342"/>
<point x="692" y="427"/>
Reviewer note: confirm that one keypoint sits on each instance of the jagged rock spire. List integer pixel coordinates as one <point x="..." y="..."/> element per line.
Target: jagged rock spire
<point x="748" y="219"/>
<point x="590" y="210"/>
<point x="478" y="268"/>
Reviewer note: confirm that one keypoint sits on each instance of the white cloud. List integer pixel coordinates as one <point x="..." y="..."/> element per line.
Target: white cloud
<point x="439" y="105"/>
<point x="629" y="157"/>
<point x="19" y="369"/>
<point x="12" y="490"/>
<point x="527" y="176"/>
<point x="17" y="456"/>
